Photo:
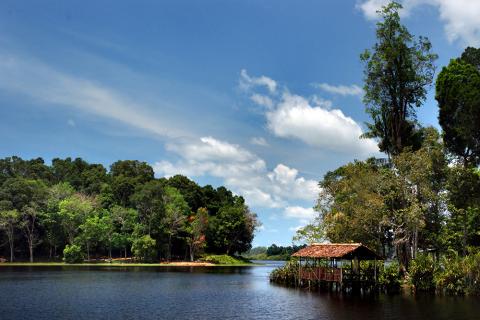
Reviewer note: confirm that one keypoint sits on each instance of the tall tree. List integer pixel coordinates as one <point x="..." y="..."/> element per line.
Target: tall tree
<point x="458" y="96"/>
<point x="73" y="212"/>
<point x="176" y="213"/>
<point x="398" y="70"/>
<point x="126" y="176"/>
<point x="9" y="223"/>
<point x="29" y="198"/>
<point x="196" y="229"/>
<point x="148" y="199"/>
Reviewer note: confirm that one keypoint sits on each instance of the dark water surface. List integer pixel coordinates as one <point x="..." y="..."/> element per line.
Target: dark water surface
<point x="197" y="293"/>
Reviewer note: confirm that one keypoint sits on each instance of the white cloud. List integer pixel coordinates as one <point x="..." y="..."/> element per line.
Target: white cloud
<point x="262" y="100"/>
<point x="296" y="117"/>
<point x="43" y="83"/>
<point x="314" y="120"/>
<point x="342" y="90"/>
<point x="243" y="172"/>
<point x="259" y="141"/>
<point x="370" y="8"/>
<point x="459" y="16"/>
<point x="305" y="215"/>
<point x="247" y="82"/>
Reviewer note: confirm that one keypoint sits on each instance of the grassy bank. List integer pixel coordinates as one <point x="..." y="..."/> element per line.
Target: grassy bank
<point x="206" y="261"/>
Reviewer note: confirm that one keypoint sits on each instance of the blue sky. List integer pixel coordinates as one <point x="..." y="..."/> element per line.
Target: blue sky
<point x="261" y="96"/>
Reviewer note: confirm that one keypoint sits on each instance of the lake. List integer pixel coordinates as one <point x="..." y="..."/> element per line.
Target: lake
<point x="197" y="293"/>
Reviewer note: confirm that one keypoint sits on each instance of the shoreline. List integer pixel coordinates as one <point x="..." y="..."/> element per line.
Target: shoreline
<point x="106" y="264"/>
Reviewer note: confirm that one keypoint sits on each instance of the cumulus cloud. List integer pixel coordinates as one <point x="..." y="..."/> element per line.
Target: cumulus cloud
<point x="296" y="117"/>
<point x="460" y="16"/>
<point x="342" y="90"/>
<point x="314" y="120"/>
<point x="305" y="215"/>
<point x="242" y="171"/>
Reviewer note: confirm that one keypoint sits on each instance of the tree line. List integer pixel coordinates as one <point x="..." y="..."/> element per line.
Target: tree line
<point x="424" y="198"/>
<point x="80" y="210"/>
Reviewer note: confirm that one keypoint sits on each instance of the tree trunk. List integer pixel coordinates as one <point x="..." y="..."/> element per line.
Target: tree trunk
<point x="169" y="253"/>
<point x="11" y="250"/>
<point x="88" y="252"/>
<point x="191" y="253"/>
<point x="30" y="247"/>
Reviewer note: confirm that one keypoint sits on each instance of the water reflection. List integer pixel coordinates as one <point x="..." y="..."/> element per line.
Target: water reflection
<point x="198" y="293"/>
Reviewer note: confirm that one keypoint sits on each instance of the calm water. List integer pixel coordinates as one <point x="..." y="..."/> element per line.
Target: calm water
<point x="216" y="293"/>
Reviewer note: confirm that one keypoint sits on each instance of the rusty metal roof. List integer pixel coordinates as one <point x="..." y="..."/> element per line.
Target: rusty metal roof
<point x="336" y="250"/>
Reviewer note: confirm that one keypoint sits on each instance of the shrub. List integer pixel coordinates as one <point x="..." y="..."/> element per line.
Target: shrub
<point x="472" y="268"/>
<point x="287" y="274"/>
<point x="422" y="272"/>
<point x="144" y="248"/>
<point x="73" y="254"/>
<point x="390" y="278"/>
<point x="223" y="259"/>
<point x="451" y="276"/>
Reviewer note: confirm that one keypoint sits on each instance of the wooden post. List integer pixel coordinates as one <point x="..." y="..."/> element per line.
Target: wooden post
<point x="299" y="271"/>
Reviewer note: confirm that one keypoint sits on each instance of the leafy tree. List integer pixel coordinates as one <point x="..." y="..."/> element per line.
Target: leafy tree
<point x="191" y="191"/>
<point x="107" y="229"/>
<point x="73" y="212"/>
<point x="72" y="254"/>
<point x="126" y="176"/>
<point x="143" y="248"/>
<point x="149" y="201"/>
<point x="232" y="229"/>
<point x="125" y="220"/>
<point x="458" y="96"/>
<point x="28" y="197"/>
<point x="51" y="218"/>
<point x="196" y="229"/>
<point x="92" y="233"/>
<point x="472" y="56"/>
<point x="8" y="223"/>
<point x="176" y="212"/>
<point x="84" y="177"/>
<point x="397" y="72"/>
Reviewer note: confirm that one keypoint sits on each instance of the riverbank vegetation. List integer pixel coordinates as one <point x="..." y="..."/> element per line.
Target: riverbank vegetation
<point x="273" y="252"/>
<point x="76" y="211"/>
<point x="421" y="205"/>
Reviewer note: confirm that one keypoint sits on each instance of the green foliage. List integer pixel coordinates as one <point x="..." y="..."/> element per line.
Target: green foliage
<point x="231" y="230"/>
<point x="224" y="259"/>
<point x="458" y="96"/>
<point x="288" y="274"/>
<point x="451" y="276"/>
<point x="397" y="72"/>
<point x="73" y="254"/>
<point x="389" y="277"/>
<point x="422" y="273"/>
<point x="144" y="248"/>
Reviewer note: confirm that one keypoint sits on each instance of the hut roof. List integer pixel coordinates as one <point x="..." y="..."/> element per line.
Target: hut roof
<point x="337" y="250"/>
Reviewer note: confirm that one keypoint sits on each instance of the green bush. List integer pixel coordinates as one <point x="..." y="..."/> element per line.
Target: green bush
<point x="144" y="248"/>
<point x="472" y="269"/>
<point x="451" y="277"/>
<point x="223" y="259"/>
<point x="390" y="278"/>
<point x="287" y="274"/>
<point x="73" y="254"/>
<point x="422" y="273"/>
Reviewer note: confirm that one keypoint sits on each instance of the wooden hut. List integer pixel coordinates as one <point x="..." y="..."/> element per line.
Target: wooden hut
<point x="337" y="263"/>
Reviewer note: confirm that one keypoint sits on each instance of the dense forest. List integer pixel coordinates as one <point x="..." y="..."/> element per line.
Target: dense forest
<point x="78" y="210"/>
<point x="421" y="205"/>
<point x="272" y="252"/>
